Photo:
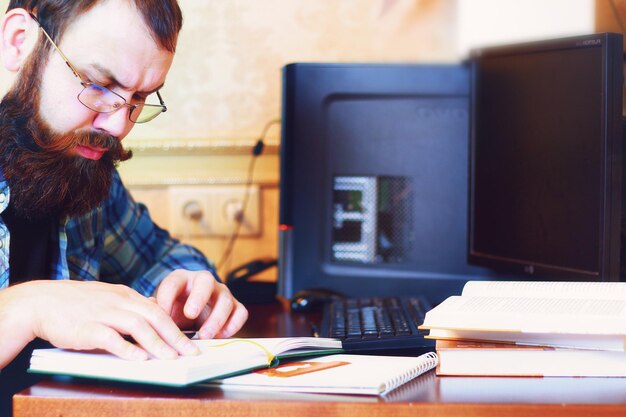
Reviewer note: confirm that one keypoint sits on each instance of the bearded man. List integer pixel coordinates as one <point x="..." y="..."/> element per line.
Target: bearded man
<point x="86" y="71"/>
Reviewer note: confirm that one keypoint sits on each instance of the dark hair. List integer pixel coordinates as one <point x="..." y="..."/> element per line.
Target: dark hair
<point x="162" y="17"/>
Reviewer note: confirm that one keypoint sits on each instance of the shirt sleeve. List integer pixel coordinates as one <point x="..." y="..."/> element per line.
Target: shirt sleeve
<point x="137" y="252"/>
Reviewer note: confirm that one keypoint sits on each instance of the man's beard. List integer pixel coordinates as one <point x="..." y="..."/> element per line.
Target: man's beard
<point x="44" y="178"/>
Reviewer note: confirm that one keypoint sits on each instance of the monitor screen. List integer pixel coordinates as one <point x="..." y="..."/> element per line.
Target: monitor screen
<point x="374" y="179"/>
<point x="546" y="158"/>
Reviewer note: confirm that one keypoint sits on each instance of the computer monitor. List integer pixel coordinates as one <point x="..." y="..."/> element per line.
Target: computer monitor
<point x="546" y="158"/>
<point x="374" y="174"/>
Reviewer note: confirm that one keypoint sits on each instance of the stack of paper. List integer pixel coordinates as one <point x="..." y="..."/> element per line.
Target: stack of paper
<point x="532" y="328"/>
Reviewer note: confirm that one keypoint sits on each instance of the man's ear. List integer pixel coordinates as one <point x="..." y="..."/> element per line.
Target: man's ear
<point x="18" y="36"/>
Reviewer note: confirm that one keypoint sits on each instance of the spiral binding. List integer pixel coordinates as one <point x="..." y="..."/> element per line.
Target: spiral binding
<point x="426" y="361"/>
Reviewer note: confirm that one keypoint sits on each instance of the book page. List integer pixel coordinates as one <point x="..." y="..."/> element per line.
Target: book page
<point x="547" y="289"/>
<point x="518" y="314"/>
<point x="276" y="346"/>
<point x="560" y="340"/>
<point x="296" y="345"/>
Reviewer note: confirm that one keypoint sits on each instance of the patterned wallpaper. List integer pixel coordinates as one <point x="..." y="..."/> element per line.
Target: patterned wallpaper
<point x="225" y="81"/>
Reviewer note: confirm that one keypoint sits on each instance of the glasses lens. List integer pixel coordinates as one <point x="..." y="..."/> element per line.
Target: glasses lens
<point x="100" y="99"/>
<point x="145" y="112"/>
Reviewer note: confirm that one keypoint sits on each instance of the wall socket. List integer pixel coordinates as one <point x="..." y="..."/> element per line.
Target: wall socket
<point x="213" y="210"/>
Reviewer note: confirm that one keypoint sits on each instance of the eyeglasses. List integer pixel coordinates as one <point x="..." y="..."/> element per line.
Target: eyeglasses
<point x="102" y="100"/>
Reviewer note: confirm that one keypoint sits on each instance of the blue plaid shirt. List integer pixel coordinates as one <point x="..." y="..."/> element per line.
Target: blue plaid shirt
<point x="117" y="243"/>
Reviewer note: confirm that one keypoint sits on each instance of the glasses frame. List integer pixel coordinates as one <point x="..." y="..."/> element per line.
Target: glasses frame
<point x="86" y="84"/>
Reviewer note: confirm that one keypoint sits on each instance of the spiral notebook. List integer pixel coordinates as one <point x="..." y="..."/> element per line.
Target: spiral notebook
<point x="337" y="374"/>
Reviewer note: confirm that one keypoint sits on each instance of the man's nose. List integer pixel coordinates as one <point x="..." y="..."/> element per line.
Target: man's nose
<point x="114" y="123"/>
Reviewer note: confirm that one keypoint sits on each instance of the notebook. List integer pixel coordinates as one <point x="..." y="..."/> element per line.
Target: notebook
<point x="335" y="374"/>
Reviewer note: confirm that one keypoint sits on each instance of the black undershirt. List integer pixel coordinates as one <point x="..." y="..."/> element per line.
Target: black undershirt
<point x="33" y="248"/>
<point x="34" y="245"/>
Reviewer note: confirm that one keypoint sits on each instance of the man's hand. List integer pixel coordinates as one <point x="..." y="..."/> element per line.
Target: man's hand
<point x="194" y="299"/>
<point x="87" y="315"/>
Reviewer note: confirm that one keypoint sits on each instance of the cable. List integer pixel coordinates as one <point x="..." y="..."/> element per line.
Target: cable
<point x="257" y="150"/>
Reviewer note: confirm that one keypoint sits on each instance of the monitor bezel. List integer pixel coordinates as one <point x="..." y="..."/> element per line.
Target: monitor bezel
<point x="610" y="228"/>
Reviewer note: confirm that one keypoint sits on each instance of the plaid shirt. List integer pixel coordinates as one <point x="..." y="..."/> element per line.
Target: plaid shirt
<point x="117" y="242"/>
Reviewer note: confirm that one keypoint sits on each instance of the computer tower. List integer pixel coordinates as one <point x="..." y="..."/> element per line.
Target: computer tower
<point x="374" y="179"/>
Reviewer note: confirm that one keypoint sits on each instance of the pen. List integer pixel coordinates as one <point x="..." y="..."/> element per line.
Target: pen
<point x="191" y="334"/>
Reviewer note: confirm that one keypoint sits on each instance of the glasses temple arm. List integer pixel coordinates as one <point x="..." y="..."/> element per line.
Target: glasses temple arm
<point x="67" y="62"/>
<point x="161" y="101"/>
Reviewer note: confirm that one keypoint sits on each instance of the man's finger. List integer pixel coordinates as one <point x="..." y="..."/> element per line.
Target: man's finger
<point x="106" y="338"/>
<point x="220" y="312"/>
<point x="202" y="287"/>
<point x="170" y="289"/>
<point x="139" y="328"/>
<point x="235" y="322"/>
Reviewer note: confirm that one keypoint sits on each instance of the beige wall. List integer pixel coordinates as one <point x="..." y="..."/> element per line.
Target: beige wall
<point x="612" y="19"/>
<point x="225" y="81"/>
<point x="610" y="15"/>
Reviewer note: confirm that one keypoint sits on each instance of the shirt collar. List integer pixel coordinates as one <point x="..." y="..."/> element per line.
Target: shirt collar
<point x="5" y="193"/>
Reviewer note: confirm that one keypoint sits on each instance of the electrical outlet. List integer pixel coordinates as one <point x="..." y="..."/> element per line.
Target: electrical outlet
<point x="213" y="210"/>
<point x="190" y="211"/>
<point x="227" y="207"/>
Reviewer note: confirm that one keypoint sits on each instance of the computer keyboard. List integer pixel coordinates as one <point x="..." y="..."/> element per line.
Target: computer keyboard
<point x="379" y="323"/>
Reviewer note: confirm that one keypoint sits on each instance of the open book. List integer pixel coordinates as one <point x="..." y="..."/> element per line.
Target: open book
<point x="468" y="358"/>
<point x="219" y="358"/>
<point x="338" y="374"/>
<point x="585" y="315"/>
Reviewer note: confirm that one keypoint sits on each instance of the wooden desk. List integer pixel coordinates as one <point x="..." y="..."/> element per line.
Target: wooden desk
<point x="425" y="396"/>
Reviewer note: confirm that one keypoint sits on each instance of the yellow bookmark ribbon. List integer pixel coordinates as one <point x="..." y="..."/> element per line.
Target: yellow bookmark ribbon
<point x="270" y="356"/>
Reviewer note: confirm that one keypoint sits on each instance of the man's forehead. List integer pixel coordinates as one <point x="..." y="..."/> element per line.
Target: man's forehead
<point x="111" y="13"/>
<point x="113" y="37"/>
